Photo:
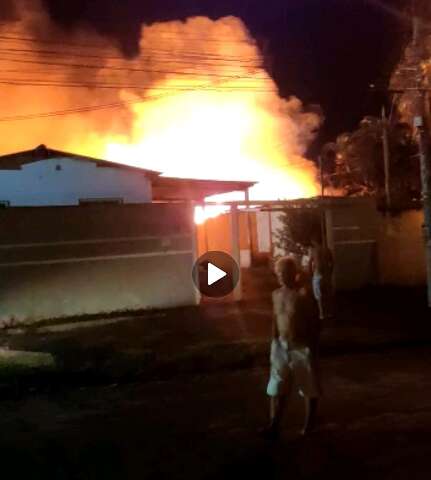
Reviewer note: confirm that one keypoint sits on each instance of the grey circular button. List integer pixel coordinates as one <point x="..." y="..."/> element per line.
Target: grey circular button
<point x="215" y="274"/>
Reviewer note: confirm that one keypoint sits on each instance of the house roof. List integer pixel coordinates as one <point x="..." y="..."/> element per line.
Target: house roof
<point x="170" y="188"/>
<point x="15" y="161"/>
<point x="164" y="188"/>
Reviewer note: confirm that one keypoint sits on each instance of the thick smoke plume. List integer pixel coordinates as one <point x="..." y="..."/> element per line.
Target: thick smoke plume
<point x="197" y="101"/>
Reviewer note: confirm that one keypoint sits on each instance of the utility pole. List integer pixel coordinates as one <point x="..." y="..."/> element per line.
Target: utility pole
<point x="322" y="206"/>
<point x="322" y="185"/>
<point x="386" y="159"/>
<point x="426" y="192"/>
<point x="421" y="123"/>
<point x="249" y="225"/>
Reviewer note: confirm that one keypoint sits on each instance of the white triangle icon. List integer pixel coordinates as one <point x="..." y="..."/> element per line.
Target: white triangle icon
<point x="214" y="274"/>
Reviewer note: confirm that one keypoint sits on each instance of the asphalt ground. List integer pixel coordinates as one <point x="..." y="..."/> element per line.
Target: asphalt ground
<point x="374" y="422"/>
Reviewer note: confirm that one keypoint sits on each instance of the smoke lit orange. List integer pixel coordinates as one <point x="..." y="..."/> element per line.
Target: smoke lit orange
<point x="207" y="109"/>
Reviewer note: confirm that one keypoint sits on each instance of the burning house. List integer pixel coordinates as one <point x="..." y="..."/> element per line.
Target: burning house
<point x="85" y="236"/>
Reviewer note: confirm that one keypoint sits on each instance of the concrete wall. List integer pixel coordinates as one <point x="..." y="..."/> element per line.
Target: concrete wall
<point x="66" y="261"/>
<point x="352" y="225"/>
<point x="64" y="181"/>
<point x="401" y="249"/>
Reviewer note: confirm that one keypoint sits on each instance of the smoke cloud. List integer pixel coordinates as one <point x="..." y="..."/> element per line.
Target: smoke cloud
<point x="196" y="102"/>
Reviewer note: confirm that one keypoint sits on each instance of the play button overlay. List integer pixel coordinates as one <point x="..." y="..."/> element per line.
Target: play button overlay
<point x="215" y="274"/>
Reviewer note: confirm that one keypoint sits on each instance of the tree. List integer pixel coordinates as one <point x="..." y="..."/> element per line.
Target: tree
<point x="354" y="163"/>
<point x="297" y="228"/>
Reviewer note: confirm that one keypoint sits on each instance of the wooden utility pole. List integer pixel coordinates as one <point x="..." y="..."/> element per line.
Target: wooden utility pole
<point x="422" y="126"/>
<point x="249" y="226"/>
<point x="322" y="207"/>
<point x="386" y="159"/>
<point x="236" y="249"/>
<point x="423" y="143"/>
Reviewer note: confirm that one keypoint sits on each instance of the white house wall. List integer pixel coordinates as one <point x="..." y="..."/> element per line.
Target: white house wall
<point x="64" y="181"/>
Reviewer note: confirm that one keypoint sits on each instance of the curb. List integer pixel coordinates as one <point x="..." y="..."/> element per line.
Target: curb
<point x="70" y="326"/>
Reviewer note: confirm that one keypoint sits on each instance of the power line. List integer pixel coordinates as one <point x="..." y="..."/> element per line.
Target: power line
<point x="169" y="50"/>
<point x="188" y="64"/>
<point x="91" y="108"/>
<point x="50" y="42"/>
<point x="181" y="36"/>
<point x="104" y="57"/>
<point x="177" y="88"/>
<point x="171" y="54"/>
<point x="213" y="38"/>
<point x="114" y="68"/>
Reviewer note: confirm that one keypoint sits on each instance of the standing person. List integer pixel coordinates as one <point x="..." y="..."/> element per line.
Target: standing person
<point x="321" y="268"/>
<point x="296" y="330"/>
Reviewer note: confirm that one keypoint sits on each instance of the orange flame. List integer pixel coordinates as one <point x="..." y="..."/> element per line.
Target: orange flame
<point x="207" y="109"/>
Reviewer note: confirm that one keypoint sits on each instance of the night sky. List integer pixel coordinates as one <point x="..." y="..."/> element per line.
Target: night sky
<point x="323" y="51"/>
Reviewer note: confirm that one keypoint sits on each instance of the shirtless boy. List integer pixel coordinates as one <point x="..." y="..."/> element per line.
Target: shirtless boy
<point x="296" y="330"/>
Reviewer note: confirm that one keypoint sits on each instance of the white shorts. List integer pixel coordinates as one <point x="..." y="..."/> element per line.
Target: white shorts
<point x="295" y="368"/>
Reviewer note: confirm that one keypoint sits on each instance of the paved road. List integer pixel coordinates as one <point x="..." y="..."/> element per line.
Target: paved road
<point x="375" y="423"/>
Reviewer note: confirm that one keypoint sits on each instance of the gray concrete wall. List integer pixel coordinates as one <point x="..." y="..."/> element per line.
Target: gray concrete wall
<point x="66" y="261"/>
<point x="372" y="247"/>
<point x="352" y="226"/>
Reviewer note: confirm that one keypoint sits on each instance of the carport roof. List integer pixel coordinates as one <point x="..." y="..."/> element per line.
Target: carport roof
<point x="173" y="189"/>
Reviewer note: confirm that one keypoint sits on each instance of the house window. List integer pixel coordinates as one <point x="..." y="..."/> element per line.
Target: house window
<point x="92" y="201"/>
<point x="58" y="168"/>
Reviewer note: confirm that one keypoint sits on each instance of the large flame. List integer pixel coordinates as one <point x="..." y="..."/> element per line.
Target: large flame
<point x="197" y="103"/>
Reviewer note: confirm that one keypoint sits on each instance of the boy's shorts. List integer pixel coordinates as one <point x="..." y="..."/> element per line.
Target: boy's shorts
<point x="292" y="369"/>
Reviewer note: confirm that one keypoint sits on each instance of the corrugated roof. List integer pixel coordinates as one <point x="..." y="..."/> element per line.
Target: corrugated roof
<point x="173" y="188"/>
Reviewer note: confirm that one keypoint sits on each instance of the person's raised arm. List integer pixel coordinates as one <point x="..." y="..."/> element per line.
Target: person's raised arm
<point x="275" y="332"/>
<point x="330" y="260"/>
<point x="311" y="262"/>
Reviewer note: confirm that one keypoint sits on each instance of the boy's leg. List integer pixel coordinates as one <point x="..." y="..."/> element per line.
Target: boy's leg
<point x="321" y="308"/>
<point x="277" y="405"/>
<point x="277" y="408"/>
<point x="311" y="405"/>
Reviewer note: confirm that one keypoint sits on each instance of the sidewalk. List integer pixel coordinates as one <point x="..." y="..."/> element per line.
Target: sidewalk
<point x="202" y="339"/>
